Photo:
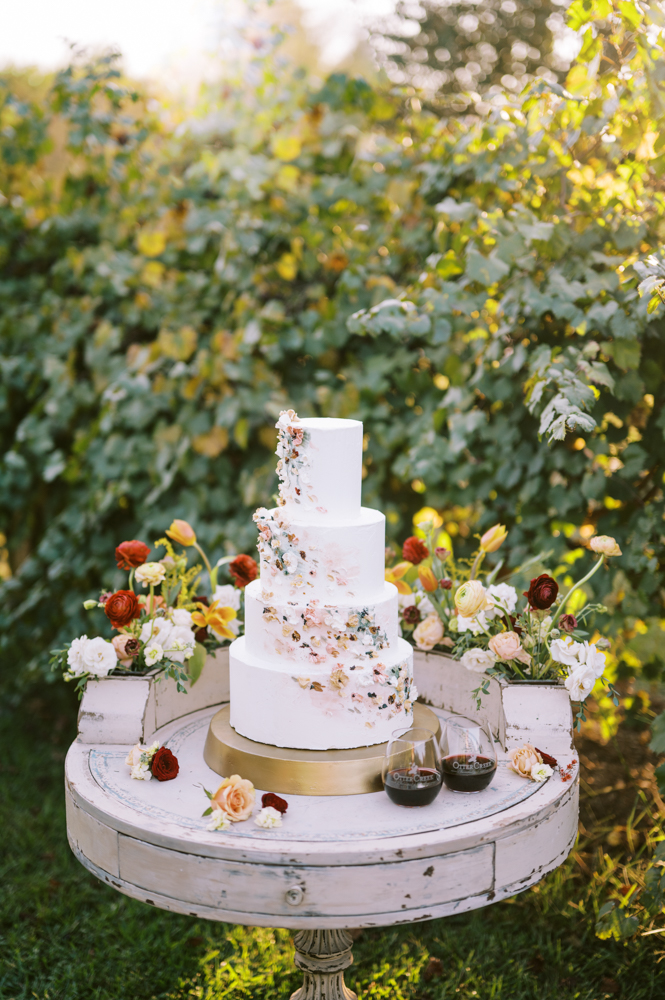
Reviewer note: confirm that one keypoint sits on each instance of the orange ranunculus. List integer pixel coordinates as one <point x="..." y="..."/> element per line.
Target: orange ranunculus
<point x="427" y="578"/>
<point x="182" y="533"/>
<point x="493" y="538"/>
<point x="215" y="618"/>
<point x="395" y="574"/>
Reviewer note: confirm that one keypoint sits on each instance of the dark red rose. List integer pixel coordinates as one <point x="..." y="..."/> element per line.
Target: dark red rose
<point x="164" y="765"/>
<point x="568" y="623"/>
<point x="244" y="569"/>
<point x="414" y="551"/>
<point x="547" y="759"/>
<point x="542" y="592"/>
<point x="446" y="584"/>
<point x="270" y="799"/>
<point x="411" y="614"/>
<point x="129" y="555"/>
<point x="122" y="607"/>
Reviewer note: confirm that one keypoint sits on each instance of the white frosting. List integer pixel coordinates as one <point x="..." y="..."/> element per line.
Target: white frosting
<point x="318" y="708"/>
<point x="314" y="633"/>
<point x="332" y="562"/>
<point x="320" y="466"/>
<point x="321" y="665"/>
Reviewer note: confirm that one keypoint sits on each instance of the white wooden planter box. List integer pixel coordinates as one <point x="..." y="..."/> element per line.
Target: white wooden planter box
<point x="127" y="710"/>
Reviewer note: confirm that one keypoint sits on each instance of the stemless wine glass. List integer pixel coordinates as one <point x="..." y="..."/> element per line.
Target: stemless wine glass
<point x="468" y="754"/>
<point x="412" y="767"/>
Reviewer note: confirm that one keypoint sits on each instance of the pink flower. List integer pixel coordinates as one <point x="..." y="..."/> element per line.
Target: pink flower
<point x="316" y="657"/>
<point x="332" y="650"/>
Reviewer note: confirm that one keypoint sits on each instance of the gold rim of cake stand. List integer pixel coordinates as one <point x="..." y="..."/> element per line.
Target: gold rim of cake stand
<point x="301" y="772"/>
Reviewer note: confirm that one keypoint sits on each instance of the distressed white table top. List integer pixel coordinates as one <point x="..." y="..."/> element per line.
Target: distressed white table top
<point x="176" y="806"/>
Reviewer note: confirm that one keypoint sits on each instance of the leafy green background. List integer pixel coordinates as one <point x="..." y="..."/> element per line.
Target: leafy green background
<point x="464" y="287"/>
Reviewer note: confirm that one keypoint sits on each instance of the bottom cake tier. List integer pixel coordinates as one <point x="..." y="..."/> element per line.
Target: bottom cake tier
<point x="323" y="709"/>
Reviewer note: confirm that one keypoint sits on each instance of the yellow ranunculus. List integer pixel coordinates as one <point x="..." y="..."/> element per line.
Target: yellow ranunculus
<point x="182" y="533"/>
<point x="471" y="598"/>
<point x="216" y="618"/>
<point x="395" y="574"/>
<point x="493" y="538"/>
<point x="427" y="578"/>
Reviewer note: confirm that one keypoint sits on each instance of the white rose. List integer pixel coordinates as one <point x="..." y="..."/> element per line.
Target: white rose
<point x="268" y="818"/>
<point x="181" y="617"/>
<point x="180" y="645"/>
<point x="99" y="656"/>
<point x="474" y="625"/>
<point x="566" y="651"/>
<point x="158" y="630"/>
<point x="405" y="601"/>
<point x="580" y="682"/>
<point x="478" y="660"/>
<point x="541" y="771"/>
<point x="219" y="820"/>
<point x="593" y="658"/>
<point x="151" y="573"/>
<point x="228" y="596"/>
<point x="425" y="605"/>
<point x="428" y="633"/>
<point x="75" y="655"/>
<point x="153" y="653"/>
<point x="504" y="595"/>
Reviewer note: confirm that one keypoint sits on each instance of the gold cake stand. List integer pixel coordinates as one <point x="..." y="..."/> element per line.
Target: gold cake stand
<point x="301" y="772"/>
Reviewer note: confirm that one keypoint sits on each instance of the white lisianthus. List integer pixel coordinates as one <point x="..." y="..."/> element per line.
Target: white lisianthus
<point x="75" y="656"/>
<point x="474" y="625"/>
<point x="580" y="682"/>
<point x="158" y="630"/>
<point x="592" y="657"/>
<point x="153" y="653"/>
<point x="219" y="820"/>
<point x="268" y="818"/>
<point x="541" y="771"/>
<point x="181" y="644"/>
<point x="181" y="617"/>
<point x="141" y="772"/>
<point x="227" y="596"/>
<point x="478" y="660"/>
<point x="151" y="574"/>
<point x="566" y="651"/>
<point x="504" y="596"/>
<point x="99" y="656"/>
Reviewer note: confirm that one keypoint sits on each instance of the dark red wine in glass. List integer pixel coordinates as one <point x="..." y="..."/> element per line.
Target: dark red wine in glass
<point x="412" y="786"/>
<point x="468" y="772"/>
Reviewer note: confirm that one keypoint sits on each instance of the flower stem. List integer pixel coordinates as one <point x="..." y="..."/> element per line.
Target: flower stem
<point x="208" y="567"/>
<point x="131" y="579"/>
<point x="476" y="564"/>
<point x="576" y="586"/>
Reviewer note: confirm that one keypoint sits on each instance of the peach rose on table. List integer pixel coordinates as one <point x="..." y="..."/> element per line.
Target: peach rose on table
<point x="471" y="598"/>
<point x="524" y="759"/>
<point x="235" y="797"/>
<point x="428" y="633"/>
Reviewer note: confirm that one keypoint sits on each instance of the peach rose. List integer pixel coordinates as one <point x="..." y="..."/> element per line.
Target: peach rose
<point x="471" y="598"/>
<point x="605" y="545"/>
<point x="428" y="633"/>
<point x="523" y="759"/>
<point x="505" y="645"/>
<point x="235" y="797"/>
<point x="126" y="647"/>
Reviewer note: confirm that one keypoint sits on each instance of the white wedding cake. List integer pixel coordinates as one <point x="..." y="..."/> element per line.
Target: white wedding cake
<point x="321" y="664"/>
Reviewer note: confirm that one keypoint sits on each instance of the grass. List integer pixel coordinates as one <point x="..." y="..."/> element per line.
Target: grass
<point x="65" y="936"/>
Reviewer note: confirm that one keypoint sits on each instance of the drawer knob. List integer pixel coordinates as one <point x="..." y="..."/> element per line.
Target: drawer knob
<point x="294" y="895"/>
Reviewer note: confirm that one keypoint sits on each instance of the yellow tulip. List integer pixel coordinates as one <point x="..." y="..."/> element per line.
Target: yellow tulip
<point x="493" y="538"/>
<point x="182" y="533"/>
<point x="427" y="578"/>
<point x="216" y="618"/>
<point x="395" y="574"/>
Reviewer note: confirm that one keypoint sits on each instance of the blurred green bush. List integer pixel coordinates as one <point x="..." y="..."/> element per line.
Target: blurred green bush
<point x="464" y="289"/>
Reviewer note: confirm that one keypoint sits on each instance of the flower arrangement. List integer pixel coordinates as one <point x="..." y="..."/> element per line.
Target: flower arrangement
<point x="443" y="602"/>
<point x="152" y="762"/>
<point x="233" y="802"/>
<point x="164" y="618"/>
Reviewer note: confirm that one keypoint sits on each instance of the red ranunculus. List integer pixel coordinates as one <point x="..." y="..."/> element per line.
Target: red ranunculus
<point x="414" y="551"/>
<point x="411" y="614"/>
<point x="568" y="623"/>
<point x="244" y="569"/>
<point x="129" y="555"/>
<point x="164" y="765"/>
<point x="270" y="799"/>
<point x="542" y="592"/>
<point x="122" y="607"/>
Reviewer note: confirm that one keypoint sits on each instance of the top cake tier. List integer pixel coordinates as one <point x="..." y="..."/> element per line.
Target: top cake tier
<point x="320" y="466"/>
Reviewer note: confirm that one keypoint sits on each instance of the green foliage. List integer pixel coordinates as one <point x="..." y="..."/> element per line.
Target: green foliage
<point x="614" y="922"/>
<point x="467" y="292"/>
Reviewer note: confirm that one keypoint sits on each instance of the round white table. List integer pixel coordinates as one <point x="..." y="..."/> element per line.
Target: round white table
<point x="335" y="863"/>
